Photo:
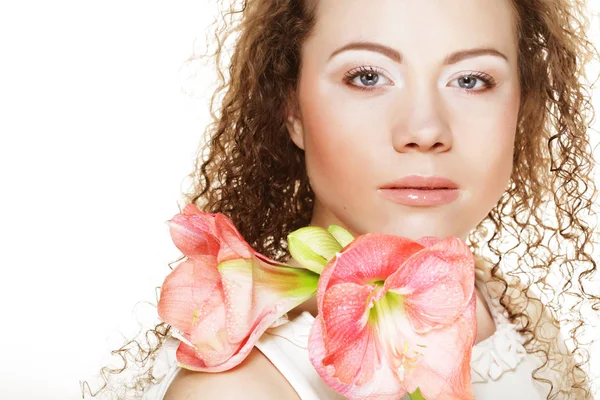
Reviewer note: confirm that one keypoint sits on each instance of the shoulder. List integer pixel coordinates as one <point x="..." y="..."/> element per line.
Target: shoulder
<point x="255" y="378"/>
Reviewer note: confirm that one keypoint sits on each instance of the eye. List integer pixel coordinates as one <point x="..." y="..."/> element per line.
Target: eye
<point x="369" y="77"/>
<point x="467" y="82"/>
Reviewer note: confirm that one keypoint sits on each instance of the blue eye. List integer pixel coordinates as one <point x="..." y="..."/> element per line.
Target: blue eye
<point x="469" y="81"/>
<point x="370" y="76"/>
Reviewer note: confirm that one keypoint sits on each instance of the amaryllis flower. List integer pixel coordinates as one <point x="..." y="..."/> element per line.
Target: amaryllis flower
<point x="225" y="295"/>
<point x="396" y="315"/>
<point x="313" y="247"/>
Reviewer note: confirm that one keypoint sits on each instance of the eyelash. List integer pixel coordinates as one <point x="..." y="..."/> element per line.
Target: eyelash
<point x="363" y="70"/>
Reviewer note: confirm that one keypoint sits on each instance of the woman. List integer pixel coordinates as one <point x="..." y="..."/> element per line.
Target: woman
<point x="333" y="106"/>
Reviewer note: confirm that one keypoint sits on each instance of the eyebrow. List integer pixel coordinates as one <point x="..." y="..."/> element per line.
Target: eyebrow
<point x="395" y="55"/>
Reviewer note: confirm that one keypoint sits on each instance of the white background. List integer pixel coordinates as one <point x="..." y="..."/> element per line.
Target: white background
<point x="96" y="139"/>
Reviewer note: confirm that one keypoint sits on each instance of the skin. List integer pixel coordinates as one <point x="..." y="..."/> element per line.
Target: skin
<point x="418" y="120"/>
<point x="420" y="117"/>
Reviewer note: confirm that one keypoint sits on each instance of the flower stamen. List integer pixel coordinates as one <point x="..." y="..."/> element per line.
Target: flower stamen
<point x="195" y="316"/>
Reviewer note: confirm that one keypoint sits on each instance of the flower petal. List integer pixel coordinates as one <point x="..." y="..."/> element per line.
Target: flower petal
<point x="210" y="338"/>
<point x="343" y="237"/>
<point x="188" y="359"/>
<point x="186" y="291"/>
<point x="274" y="280"/>
<point x="305" y="256"/>
<point x="428" y="241"/>
<point x="373" y="381"/>
<point x="437" y="283"/>
<point x="312" y="247"/>
<point x="372" y="257"/>
<point x="192" y="359"/>
<point x="356" y="364"/>
<point x="193" y="234"/>
<point x="345" y="313"/>
<point x="438" y="306"/>
<point x="324" y="279"/>
<point x="233" y="245"/>
<point x="236" y="278"/>
<point x="444" y="372"/>
<point x="250" y="286"/>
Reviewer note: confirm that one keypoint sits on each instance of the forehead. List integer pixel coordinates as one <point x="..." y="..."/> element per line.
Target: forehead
<point x="418" y="28"/>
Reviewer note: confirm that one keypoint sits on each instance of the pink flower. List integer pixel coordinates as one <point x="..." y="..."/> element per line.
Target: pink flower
<point x="225" y="295"/>
<point x="396" y="315"/>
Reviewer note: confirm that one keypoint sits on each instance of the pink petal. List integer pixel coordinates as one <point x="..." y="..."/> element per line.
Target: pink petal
<point x="345" y="312"/>
<point x="186" y="291"/>
<point x="193" y="235"/>
<point x="211" y="347"/>
<point x="233" y="245"/>
<point x="324" y="279"/>
<point x="372" y="257"/>
<point x="191" y="209"/>
<point x="372" y="360"/>
<point x="236" y="278"/>
<point x="435" y="307"/>
<point x="191" y="360"/>
<point x="428" y="241"/>
<point x="186" y="355"/>
<point x="372" y="380"/>
<point x="437" y="283"/>
<point x="210" y="338"/>
<point x="191" y="301"/>
<point x="444" y="372"/>
<point x="355" y="364"/>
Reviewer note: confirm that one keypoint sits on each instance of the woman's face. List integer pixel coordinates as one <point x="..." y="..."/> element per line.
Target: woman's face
<point x="413" y="108"/>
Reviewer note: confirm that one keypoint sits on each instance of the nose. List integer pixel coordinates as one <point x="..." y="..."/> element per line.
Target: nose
<point x="422" y="126"/>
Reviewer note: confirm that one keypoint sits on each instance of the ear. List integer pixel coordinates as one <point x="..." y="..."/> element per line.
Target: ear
<point x="294" y="126"/>
<point x="293" y="123"/>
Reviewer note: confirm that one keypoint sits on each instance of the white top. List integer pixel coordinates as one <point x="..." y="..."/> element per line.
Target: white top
<point x="500" y="366"/>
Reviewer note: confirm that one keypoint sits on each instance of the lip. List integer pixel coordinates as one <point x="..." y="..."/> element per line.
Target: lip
<point x="419" y="182"/>
<point x="420" y="197"/>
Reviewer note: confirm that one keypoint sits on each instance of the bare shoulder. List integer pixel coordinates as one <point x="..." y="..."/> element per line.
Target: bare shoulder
<point x="255" y="378"/>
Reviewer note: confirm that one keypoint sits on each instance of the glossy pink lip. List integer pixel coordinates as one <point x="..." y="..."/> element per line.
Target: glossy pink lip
<point x="420" y="197"/>
<point x="418" y="181"/>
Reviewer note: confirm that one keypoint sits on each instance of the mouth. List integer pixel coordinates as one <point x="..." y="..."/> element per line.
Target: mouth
<point x="421" y="188"/>
<point x="418" y="182"/>
<point x="420" y="196"/>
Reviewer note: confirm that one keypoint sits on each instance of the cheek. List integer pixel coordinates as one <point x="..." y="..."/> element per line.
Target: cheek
<point x="336" y="155"/>
<point x="338" y="132"/>
<point x="495" y="173"/>
<point x="489" y="147"/>
<point x="339" y="154"/>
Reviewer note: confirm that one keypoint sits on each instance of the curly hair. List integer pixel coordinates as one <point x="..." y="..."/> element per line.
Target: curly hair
<point x="250" y="170"/>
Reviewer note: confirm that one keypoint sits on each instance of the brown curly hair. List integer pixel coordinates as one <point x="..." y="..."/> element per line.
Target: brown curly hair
<point x="250" y="170"/>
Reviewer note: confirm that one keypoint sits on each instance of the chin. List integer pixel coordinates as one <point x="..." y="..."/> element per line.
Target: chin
<point x="416" y="232"/>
